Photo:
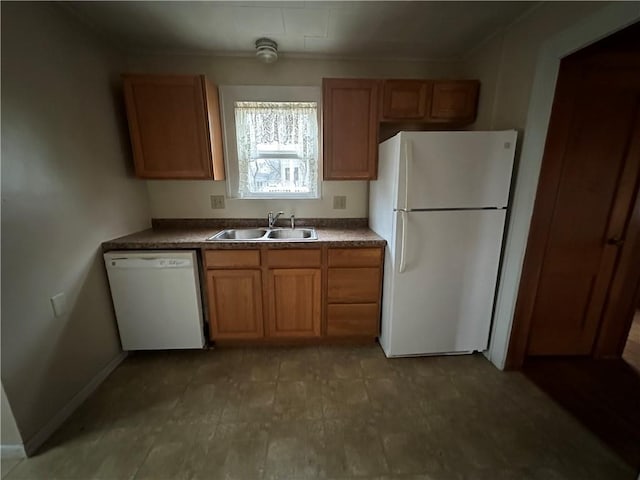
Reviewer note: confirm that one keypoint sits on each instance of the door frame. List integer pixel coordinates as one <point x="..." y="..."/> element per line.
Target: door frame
<point x="601" y="24"/>
<point x="611" y="334"/>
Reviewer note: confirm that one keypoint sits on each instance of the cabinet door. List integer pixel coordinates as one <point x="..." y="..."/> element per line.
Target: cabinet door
<point x="350" y="119"/>
<point x="174" y="124"/>
<point x="235" y="304"/>
<point x="454" y="101"/>
<point x="405" y="99"/>
<point x="294" y="302"/>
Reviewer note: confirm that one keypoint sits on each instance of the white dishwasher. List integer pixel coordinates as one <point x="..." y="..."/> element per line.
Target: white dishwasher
<point x="156" y="296"/>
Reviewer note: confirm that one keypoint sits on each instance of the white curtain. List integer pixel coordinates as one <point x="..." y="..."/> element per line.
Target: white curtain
<point x="285" y="124"/>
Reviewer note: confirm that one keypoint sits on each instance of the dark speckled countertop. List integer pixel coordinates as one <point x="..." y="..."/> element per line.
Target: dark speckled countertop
<point x="179" y="236"/>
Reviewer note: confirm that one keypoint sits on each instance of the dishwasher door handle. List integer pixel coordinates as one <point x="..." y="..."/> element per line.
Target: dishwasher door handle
<point x="150" y="262"/>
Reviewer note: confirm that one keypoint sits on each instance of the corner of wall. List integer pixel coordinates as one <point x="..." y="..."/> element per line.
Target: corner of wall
<point x="12" y="446"/>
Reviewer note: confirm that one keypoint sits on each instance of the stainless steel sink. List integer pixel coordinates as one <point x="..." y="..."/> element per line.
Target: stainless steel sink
<point x="292" y="234"/>
<point x="239" y="234"/>
<point x="264" y="235"/>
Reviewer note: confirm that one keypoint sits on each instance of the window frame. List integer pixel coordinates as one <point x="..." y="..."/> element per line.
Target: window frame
<point x="229" y="94"/>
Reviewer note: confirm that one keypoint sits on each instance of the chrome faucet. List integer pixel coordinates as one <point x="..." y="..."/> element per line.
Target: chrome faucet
<point x="293" y="221"/>
<point x="273" y="219"/>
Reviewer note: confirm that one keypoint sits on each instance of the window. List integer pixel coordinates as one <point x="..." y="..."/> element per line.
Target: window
<point x="272" y="141"/>
<point x="277" y="148"/>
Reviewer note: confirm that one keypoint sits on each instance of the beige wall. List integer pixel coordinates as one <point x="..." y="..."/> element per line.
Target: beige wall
<point x="171" y="199"/>
<point x="65" y="189"/>
<point x="505" y="64"/>
<point x="10" y="434"/>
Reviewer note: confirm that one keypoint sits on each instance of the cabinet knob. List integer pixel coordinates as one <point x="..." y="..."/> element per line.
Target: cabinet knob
<point x="616" y="241"/>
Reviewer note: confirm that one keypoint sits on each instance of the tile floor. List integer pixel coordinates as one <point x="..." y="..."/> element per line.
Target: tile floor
<point x="318" y="412"/>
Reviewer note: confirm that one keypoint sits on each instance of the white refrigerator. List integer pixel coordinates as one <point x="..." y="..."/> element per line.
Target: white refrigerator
<point x="440" y="203"/>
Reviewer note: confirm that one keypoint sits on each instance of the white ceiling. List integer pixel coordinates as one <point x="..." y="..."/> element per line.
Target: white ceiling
<point x="401" y="30"/>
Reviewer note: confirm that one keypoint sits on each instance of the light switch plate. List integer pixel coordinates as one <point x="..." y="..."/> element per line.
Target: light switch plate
<point x="217" y="202"/>
<point x="339" y="202"/>
<point x="59" y="304"/>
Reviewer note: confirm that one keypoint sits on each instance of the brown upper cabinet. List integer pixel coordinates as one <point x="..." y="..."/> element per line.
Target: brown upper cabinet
<point x="358" y="113"/>
<point x="405" y="99"/>
<point x="350" y="128"/>
<point x="438" y="101"/>
<point x="174" y="123"/>
<point x="454" y="101"/>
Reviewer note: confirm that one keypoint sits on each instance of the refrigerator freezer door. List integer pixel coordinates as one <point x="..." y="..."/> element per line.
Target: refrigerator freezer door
<point x="456" y="169"/>
<point x="384" y="191"/>
<point x="443" y="300"/>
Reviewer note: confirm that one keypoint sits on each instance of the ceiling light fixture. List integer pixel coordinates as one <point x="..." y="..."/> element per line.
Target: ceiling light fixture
<point x="266" y="50"/>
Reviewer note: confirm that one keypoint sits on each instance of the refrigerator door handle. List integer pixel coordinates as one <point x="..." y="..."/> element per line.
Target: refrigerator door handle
<point x="403" y="242"/>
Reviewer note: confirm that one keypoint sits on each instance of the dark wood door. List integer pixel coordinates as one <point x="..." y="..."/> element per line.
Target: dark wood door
<point x="587" y="187"/>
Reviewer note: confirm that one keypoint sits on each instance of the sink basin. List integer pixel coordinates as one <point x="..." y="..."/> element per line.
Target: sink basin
<point x="240" y="234"/>
<point x="264" y="235"/>
<point x="292" y="234"/>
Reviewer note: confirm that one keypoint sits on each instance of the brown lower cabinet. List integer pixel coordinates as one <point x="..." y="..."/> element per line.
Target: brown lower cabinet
<point x="235" y="303"/>
<point x="294" y="302"/>
<point x="359" y="319"/>
<point x="300" y="294"/>
<point x="354" y="288"/>
<point x="234" y="294"/>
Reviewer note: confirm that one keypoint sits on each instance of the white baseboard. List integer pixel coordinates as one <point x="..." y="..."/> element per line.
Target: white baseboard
<point x="32" y="445"/>
<point x="12" y="451"/>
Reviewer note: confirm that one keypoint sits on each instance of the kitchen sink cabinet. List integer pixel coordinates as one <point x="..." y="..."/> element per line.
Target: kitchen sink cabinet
<point x="235" y="304"/>
<point x="174" y="125"/>
<point x="294" y="302"/>
<point x="306" y="294"/>
<point x="350" y="128"/>
<point x="294" y="292"/>
<point x="234" y="294"/>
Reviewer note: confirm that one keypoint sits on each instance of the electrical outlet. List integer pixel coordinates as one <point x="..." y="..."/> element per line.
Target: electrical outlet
<point x="339" y="202"/>
<point x="217" y="202"/>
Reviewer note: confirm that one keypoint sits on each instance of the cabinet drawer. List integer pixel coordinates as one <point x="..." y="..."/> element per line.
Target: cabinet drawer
<point x="293" y="258"/>
<point x="348" y="320"/>
<point x="231" y="258"/>
<point x="353" y="285"/>
<point x="355" y="257"/>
